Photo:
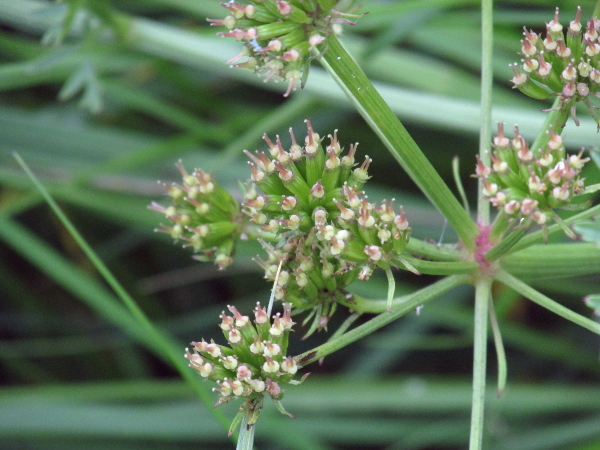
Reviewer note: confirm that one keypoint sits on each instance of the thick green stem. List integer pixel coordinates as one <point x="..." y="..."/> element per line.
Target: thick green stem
<point x="487" y="80"/>
<point x="409" y="303"/>
<point x="392" y="133"/>
<point x="482" y="300"/>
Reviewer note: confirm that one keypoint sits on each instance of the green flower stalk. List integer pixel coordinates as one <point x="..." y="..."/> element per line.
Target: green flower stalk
<point x="253" y="364"/>
<point x="203" y="215"/>
<point x="312" y="197"/>
<point x="566" y="62"/>
<point x="278" y="37"/>
<point x="530" y="184"/>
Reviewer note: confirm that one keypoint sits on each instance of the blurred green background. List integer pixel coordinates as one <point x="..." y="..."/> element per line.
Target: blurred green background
<point x="100" y="119"/>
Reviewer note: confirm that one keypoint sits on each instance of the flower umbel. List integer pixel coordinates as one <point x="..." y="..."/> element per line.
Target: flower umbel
<point x="312" y="198"/>
<point x="278" y="36"/>
<point x="566" y="62"/>
<point x="528" y="183"/>
<point x="253" y="364"/>
<point x="203" y="215"/>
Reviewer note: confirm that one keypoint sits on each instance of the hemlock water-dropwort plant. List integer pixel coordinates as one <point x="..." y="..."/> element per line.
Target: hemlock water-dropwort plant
<point x="307" y="206"/>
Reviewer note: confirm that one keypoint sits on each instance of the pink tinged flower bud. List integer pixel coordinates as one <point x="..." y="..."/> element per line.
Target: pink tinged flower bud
<point x="528" y="206"/>
<point x="365" y="219"/>
<point x="592" y="48"/>
<point x="273" y="149"/>
<point x="348" y="160"/>
<point x="562" y="50"/>
<point x="583" y="89"/>
<point x="289" y="365"/>
<point x="317" y="191"/>
<point x="337" y="246"/>
<point x="549" y="43"/>
<point x="230" y="362"/>
<point x="524" y="154"/>
<point x="554" y="25"/>
<point x="226" y="322"/>
<point x="295" y="150"/>
<point x="312" y="139"/>
<point x="561" y="192"/>
<point x="352" y="199"/>
<point x="284" y="8"/>
<point x="400" y="221"/>
<point x="365" y="273"/>
<point x="498" y="166"/>
<point x="320" y="214"/>
<point x="240" y="320"/>
<point x="213" y="350"/>
<point x="384" y="235"/>
<point x="271" y="227"/>
<point x="257" y="175"/>
<point x="287" y="176"/>
<point x="544" y="67"/>
<point x="256" y="385"/>
<point x="569" y="89"/>
<point x="535" y="184"/>
<point x="555" y="142"/>
<point x="257" y="347"/>
<point x="234" y="336"/>
<point x="545" y="160"/>
<point x="260" y="314"/>
<point x="386" y="211"/>
<point x="519" y="78"/>
<point x="530" y="36"/>
<point x="228" y="22"/>
<point x="512" y="207"/>
<point x="489" y="189"/>
<point x="194" y="358"/>
<point x="286" y="320"/>
<point x="591" y="33"/>
<point x="237" y="388"/>
<point x="595" y="76"/>
<point x="288" y="203"/>
<point x="325" y="233"/>
<point x="575" y="25"/>
<point x="570" y="73"/>
<point x="576" y="162"/>
<point x="273" y="388"/>
<point x="362" y="173"/>
<point x="499" y="200"/>
<point x="244" y="372"/>
<point x="346" y="214"/>
<point x="270" y="348"/>
<point x="314" y="40"/>
<point x="584" y="68"/>
<point x="481" y="170"/>
<point x="270" y="366"/>
<point x="530" y="65"/>
<point x="333" y="162"/>
<point x="200" y="346"/>
<point x="556" y="174"/>
<point x="206" y="369"/>
<point x="501" y="141"/>
<point x="539" y="217"/>
<point x="373" y="252"/>
<point x="527" y="48"/>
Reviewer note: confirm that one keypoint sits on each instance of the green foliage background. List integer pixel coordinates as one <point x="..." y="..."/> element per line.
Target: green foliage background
<point x="101" y="119"/>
